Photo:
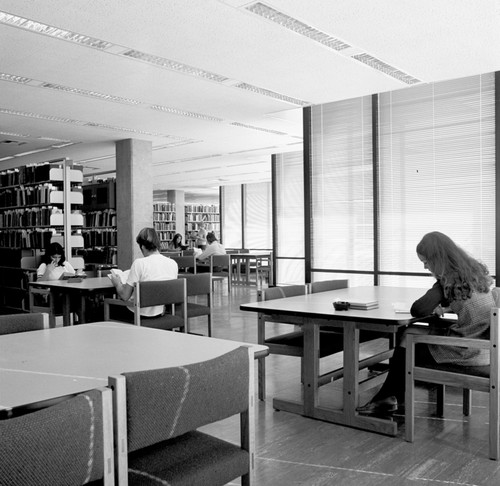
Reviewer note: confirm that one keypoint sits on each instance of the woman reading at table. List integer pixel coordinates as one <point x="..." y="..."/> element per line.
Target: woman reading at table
<point x="54" y="264"/>
<point x="462" y="287"/>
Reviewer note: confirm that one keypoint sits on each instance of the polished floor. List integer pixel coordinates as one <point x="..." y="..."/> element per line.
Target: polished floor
<point x="294" y="450"/>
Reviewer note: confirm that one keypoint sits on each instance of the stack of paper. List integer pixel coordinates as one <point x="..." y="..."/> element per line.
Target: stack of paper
<point x="366" y="305"/>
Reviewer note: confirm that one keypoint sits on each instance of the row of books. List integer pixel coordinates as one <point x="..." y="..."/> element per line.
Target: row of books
<point x="39" y="216"/>
<point x="29" y="195"/>
<point x="164" y="206"/>
<point x="25" y="238"/>
<point x="106" y="217"/>
<point x="196" y="226"/>
<point x="163" y="226"/>
<point x="27" y="175"/>
<point x="163" y="216"/>
<point x="166" y="235"/>
<point x="99" y="237"/>
<point x="200" y="208"/>
<point x="200" y="218"/>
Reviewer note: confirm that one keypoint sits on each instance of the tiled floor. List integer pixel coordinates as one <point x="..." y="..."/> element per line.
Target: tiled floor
<point x="293" y="450"/>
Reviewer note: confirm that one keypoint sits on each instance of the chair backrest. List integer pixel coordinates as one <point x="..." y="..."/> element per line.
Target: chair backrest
<point x="185" y="262"/>
<point x="199" y="284"/>
<point x="496" y="295"/>
<point x="11" y="323"/>
<point x="70" y="443"/>
<point x="223" y="261"/>
<point x="166" y="403"/>
<point x="326" y="285"/>
<point x="160" y="292"/>
<point x="282" y="292"/>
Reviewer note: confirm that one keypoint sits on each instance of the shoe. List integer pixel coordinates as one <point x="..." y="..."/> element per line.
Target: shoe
<point x="379" y="407"/>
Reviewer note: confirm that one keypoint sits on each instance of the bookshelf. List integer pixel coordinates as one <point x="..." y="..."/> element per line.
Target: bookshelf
<point x="39" y="204"/>
<point x="164" y="222"/>
<point x="195" y="214"/>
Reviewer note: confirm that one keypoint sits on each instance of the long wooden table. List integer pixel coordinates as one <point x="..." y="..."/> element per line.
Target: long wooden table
<point x="82" y="288"/>
<point x="314" y="310"/>
<point x="37" y="366"/>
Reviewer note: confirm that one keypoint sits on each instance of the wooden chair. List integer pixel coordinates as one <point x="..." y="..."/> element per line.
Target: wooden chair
<point x="481" y="378"/>
<point x="11" y="323"/>
<point x="220" y="268"/>
<point x="170" y="293"/>
<point x="70" y="443"/>
<point x="291" y="343"/>
<point x="199" y="286"/>
<point x="186" y="264"/>
<point x="158" y="412"/>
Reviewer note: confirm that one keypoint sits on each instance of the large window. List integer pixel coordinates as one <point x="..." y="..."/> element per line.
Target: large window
<point x="257" y="222"/>
<point x="231" y="217"/>
<point x="341" y="171"/>
<point x="289" y="213"/>
<point x="437" y="170"/>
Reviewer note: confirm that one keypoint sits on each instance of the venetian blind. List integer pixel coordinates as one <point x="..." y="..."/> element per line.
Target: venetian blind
<point x="437" y="169"/>
<point x="258" y="225"/>
<point x="289" y="210"/>
<point x="342" y="186"/>
<point x="231" y="211"/>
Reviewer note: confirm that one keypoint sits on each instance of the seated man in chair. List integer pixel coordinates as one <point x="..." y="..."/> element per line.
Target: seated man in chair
<point x="153" y="266"/>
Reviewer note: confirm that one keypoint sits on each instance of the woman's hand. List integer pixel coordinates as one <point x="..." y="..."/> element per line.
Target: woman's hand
<point x="440" y="310"/>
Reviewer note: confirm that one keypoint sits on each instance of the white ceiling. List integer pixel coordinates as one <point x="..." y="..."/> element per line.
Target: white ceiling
<point x="430" y="40"/>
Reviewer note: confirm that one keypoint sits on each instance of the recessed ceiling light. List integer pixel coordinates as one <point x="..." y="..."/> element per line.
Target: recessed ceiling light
<point x="91" y="94"/>
<point x="191" y="114"/>
<point x="272" y="94"/>
<point x="14" y="79"/>
<point x="379" y="65"/>
<point x="243" y="125"/>
<point x="297" y="26"/>
<point x="51" y="31"/>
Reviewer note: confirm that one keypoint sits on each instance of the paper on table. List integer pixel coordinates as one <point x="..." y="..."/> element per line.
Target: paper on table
<point x="401" y="307"/>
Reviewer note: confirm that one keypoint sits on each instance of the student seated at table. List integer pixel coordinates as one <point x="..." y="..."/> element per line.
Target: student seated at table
<point x="176" y="243"/>
<point x="152" y="266"/>
<point x="213" y="248"/>
<point x="462" y="287"/>
<point x="54" y="264"/>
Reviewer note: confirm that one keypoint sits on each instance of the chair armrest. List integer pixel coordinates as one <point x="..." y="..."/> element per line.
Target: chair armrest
<point x="448" y="341"/>
<point x="108" y="302"/>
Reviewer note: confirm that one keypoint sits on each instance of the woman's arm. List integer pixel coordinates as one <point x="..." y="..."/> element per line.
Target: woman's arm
<point x="428" y="303"/>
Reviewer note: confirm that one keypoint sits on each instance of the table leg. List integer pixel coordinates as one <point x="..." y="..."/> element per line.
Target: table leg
<point x="311" y="366"/>
<point x="66" y="309"/>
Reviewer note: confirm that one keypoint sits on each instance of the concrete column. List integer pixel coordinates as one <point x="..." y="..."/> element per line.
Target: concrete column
<point x="134" y="196"/>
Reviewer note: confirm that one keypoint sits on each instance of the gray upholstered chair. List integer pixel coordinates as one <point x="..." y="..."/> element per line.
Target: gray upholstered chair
<point x="481" y="378"/>
<point x="159" y="411"/>
<point x="11" y="323"/>
<point x="67" y="444"/>
<point x="199" y="297"/>
<point x="186" y="263"/>
<point x="221" y="268"/>
<point x="170" y="293"/>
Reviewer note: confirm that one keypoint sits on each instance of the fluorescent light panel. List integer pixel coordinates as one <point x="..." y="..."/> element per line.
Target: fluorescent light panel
<point x="91" y="94"/>
<point x="297" y="26"/>
<point x="272" y="94"/>
<point x="191" y="114"/>
<point x="251" y="127"/>
<point x="379" y="65"/>
<point x="51" y="31"/>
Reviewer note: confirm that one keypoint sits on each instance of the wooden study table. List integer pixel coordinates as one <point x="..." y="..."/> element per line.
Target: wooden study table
<point x="41" y="365"/>
<point x="255" y="256"/>
<point x="314" y="310"/>
<point x="82" y="288"/>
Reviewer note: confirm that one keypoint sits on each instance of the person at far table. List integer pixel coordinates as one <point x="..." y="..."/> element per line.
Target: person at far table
<point x="151" y="267"/>
<point x="201" y="237"/>
<point x="54" y="264"/>
<point x="213" y="248"/>
<point x="462" y="287"/>
<point x="176" y="242"/>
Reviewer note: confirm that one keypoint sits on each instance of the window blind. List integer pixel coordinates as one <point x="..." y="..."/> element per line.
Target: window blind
<point x="258" y="224"/>
<point x="341" y="171"/>
<point x="437" y="170"/>
<point x="231" y="210"/>
<point x="289" y="210"/>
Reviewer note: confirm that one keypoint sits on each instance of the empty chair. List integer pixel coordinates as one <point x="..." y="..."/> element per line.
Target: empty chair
<point x="186" y="264"/>
<point x="220" y="268"/>
<point x="11" y="323"/>
<point x="481" y="378"/>
<point x="326" y="285"/>
<point x="70" y="443"/>
<point x="199" y="287"/>
<point x="169" y="293"/>
<point x="158" y="412"/>
<point x="290" y="343"/>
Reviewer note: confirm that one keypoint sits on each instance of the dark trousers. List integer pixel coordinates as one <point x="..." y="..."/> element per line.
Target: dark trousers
<point x="394" y="384"/>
